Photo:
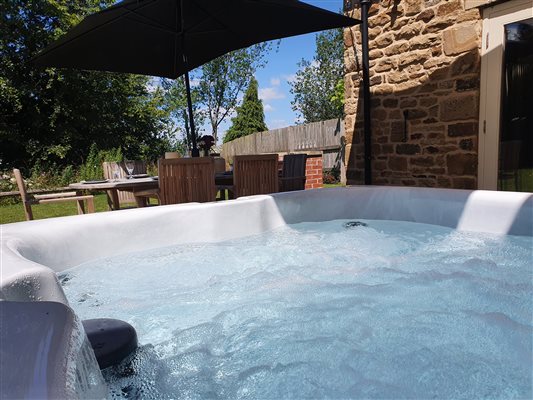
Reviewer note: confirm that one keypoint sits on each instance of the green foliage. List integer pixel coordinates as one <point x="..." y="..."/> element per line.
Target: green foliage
<point x="51" y="116"/>
<point x="68" y="175"/>
<point x="215" y="88"/>
<point x="7" y="182"/>
<point x="175" y="103"/>
<point x="92" y="168"/>
<point x="250" y="116"/>
<point x="111" y="155"/>
<point x="319" y="86"/>
<point x="223" y="79"/>
<point x="337" y="97"/>
<point x="331" y="176"/>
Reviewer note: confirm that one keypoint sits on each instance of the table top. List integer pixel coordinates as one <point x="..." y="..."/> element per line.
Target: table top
<point x="134" y="183"/>
<point x="150" y="182"/>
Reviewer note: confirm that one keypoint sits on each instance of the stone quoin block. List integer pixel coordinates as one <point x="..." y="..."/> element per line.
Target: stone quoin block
<point x="460" y="39"/>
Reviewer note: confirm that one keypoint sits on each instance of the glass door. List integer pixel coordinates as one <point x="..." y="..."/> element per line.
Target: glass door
<point x="506" y="106"/>
<point x="515" y="170"/>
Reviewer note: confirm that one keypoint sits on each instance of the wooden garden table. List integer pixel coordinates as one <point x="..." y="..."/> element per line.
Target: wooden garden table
<point x="223" y="181"/>
<point x="112" y="186"/>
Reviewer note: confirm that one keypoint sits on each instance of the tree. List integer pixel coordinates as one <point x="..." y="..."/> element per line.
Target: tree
<point x="53" y="116"/>
<point x="176" y="105"/>
<point x="250" y="115"/>
<point x="223" y="79"/>
<point x="319" y="85"/>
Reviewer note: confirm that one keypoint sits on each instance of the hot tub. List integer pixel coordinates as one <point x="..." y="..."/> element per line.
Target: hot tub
<point x="33" y="253"/>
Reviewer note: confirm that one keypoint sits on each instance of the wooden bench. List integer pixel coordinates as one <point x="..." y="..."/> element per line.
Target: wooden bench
<point x="29" y="200"/>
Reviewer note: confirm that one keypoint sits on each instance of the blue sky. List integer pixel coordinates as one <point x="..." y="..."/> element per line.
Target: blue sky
<point x="274" y="89"/>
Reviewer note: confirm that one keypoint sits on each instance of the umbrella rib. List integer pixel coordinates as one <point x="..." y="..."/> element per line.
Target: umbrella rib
<point x="215" y="18"/>
<point x="150" y="22"/>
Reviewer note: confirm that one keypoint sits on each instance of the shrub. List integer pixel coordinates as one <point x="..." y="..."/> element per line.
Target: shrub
<point x="68" y="175"/>
<point x="92" y="168"/>
<point x="8" y="184"/>
<point x="331" y="176"/>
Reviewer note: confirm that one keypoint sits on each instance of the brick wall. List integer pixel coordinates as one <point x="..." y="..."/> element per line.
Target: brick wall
<point x="313" y="171"/>
<point x="424" y="74"/>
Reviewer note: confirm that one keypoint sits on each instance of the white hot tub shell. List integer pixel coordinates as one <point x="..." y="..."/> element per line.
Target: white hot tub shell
<point x="34" y="252"/>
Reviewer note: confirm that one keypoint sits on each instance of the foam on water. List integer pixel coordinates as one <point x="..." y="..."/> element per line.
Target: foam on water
<point x="321" y="310"/>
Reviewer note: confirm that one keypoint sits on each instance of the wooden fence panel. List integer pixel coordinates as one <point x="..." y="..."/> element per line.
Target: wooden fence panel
<point x="317" y="136"/>
<point x="331" y="159"/>
<point x="273" y="141"/>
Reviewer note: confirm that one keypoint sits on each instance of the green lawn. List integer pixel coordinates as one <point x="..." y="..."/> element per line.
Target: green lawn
<point x="332" y="185"/>
<point x="15" y="212"/>
<point x="525" y="181"/>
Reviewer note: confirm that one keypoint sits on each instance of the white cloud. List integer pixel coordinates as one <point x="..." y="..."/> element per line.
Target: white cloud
<point x="290" y="78"/>
<point x="277" y="123"/>
<point x="275" y="81"/>
<point x="270" y="93"/>
<point x="268" y="108"/>
<point x="152" y="85"/>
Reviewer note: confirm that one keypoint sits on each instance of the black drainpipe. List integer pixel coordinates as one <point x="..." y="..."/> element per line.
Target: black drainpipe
<point x="365" y="5"/>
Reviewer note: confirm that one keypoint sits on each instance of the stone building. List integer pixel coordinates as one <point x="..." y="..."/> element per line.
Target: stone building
<point x="439" y="115"/>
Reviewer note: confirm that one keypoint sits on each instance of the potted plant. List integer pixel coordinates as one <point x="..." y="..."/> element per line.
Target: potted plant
<point x="205" y="143"/>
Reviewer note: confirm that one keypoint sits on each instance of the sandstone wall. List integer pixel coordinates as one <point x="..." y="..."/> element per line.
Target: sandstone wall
<point x="424" y="74"/>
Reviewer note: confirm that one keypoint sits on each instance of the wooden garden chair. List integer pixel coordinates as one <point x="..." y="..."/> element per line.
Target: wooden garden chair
<point x="28" y="200"/>
<point x="185" y="180"/>
<point x="110" y="168"/>
<point x="255" y="174"/>
<point x="293" y="173"/>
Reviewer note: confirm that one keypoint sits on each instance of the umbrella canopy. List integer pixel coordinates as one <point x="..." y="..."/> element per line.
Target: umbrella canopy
<point x="167" y="38"/>
<point x="151" y="37"/>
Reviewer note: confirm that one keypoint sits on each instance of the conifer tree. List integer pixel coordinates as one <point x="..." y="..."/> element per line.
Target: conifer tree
<point x="250" y="116"/>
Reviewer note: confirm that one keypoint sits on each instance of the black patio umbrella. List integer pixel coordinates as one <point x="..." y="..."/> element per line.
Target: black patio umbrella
<point x="168" y="38"/>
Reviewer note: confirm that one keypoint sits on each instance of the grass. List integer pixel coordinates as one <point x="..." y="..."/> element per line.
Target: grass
<point x="15" y="212"/>
<point x="525" y="181"/>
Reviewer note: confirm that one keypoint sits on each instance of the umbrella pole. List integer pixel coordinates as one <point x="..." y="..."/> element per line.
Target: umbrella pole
<point x="195" y="151"/>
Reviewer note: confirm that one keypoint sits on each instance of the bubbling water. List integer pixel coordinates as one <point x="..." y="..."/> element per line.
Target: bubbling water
<point x="338" y="309"/>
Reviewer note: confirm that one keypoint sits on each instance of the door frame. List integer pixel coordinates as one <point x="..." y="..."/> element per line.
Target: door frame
<point x="494" y="20"/>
